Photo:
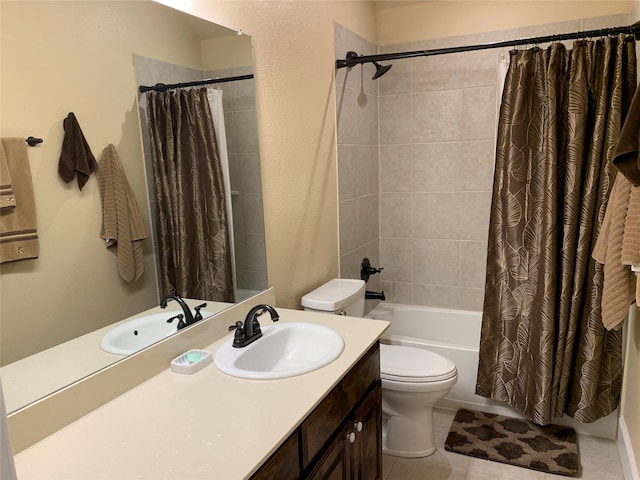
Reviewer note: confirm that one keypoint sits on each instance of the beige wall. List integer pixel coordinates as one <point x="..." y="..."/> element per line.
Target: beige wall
<point x="440" y="19"/>
<point x="631" y="381"/>
<point x="85" y="67"/>
<point x="631" y="385"/>
<point x="294" y="68"/>
<point x="296" y="108"/>
<point x="74" y="286"/>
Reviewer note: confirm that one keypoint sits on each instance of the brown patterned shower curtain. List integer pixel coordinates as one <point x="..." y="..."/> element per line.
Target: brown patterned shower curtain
<point x="192" y="226"/>
<point x="543" y="347"/>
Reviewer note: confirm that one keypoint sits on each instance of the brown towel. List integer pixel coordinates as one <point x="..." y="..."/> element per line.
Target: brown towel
<point x="7" y="197"/>
<point x="18" y="236"/>
<point x="122" y="224"/>
<point x="625" y="156"/>
<point x="76" y="156"/>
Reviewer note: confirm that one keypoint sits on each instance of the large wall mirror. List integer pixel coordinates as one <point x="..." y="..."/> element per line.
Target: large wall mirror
<point x="89" y="57"/>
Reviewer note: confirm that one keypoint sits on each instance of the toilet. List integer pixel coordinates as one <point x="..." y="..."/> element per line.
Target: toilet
<point x="413" y="379"/>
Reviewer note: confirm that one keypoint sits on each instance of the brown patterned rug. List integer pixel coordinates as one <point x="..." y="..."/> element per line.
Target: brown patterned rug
<point x="552" y="448"/>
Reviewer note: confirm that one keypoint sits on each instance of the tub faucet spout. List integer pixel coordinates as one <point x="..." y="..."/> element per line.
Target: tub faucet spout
<point x="188" y="316"/>
<point x="374" y="295"/>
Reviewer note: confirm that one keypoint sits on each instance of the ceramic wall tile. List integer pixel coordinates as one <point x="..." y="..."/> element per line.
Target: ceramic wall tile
<point x="436" y="167"/>
<point x="398" y="262"/>
<point x="395" y="168"/>
<point x="436" y="262"/>
<point x="437" y="116"/>
<point x="395" y="115"/>
<point x="397" y="80"/>
<point x="395" y="215"/>
<point x="436" y="215"/>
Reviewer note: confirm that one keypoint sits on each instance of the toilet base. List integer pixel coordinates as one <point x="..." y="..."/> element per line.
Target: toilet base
<point x="403" y="437"/>
<point x="395" y="453"/>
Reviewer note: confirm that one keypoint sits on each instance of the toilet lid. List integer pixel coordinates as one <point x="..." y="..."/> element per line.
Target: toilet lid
<point x="409" y="364"/>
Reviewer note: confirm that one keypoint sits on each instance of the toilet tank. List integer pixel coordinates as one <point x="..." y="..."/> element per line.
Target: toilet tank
<point x="340" y="296"/>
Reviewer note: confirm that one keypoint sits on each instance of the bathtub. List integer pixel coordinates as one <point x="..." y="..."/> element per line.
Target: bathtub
<point x="455" y="334"/>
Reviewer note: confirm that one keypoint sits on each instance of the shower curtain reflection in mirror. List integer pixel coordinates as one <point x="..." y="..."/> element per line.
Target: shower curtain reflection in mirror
<point x="544" y="349"/>
<point x="192" y="216"/>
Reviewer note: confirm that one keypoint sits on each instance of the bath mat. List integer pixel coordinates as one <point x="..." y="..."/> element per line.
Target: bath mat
<point x="552" y="448"/>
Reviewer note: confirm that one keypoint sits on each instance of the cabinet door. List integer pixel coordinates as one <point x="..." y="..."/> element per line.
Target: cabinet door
<point x="321" y="425"/>
<point x="337" y="462"/>
<point x="356" y="453"/>
<point x="368" y="427"/>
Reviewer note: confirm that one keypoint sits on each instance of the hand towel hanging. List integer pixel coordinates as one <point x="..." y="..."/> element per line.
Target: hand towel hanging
<point x="76" y="158"/>
<point x="122" y="226"/>
<point x="18" y="235"/>
<point x="7" y="197"/>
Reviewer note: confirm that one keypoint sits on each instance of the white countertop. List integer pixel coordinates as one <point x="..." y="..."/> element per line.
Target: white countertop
<point x="205" y="425"/>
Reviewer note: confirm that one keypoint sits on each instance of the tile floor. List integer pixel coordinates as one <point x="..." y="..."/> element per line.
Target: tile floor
<point x="599" y="460"/>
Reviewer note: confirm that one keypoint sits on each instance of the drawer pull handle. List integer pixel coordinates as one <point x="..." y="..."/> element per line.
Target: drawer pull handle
<point x="351" y="437"/>
<point x="358" y="426"/>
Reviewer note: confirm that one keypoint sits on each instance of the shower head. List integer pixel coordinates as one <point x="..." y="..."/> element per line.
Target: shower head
<point x="380" y="70"/>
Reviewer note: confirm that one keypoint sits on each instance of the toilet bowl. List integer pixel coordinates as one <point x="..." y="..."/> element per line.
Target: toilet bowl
<point x="413" y="379"/>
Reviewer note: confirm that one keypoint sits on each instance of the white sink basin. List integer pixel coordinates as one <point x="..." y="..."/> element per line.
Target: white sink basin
<point x="285" y="350"/>
<point x="136" y="334"/>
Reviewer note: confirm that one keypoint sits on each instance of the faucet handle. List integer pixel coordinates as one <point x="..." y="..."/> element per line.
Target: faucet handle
<point x="239" y="337"/>
<point x="237" y="327"/>
<point x="198" y="315"/>
<point x="180" y="318"/>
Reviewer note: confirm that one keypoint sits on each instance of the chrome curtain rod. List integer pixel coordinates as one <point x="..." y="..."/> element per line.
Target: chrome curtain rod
<point x="161" y="87"/>
<point x="353" y="58"/>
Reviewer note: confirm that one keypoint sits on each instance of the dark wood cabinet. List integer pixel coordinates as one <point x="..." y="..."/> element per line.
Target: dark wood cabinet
<point x="355" y="454"/>
<point x="342" y="437"/>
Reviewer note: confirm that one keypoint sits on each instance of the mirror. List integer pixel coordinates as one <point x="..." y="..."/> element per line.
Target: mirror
<point x="94" y="57"/>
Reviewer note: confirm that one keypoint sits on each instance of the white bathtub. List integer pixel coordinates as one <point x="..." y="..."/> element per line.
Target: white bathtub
<point x="455" y="334"/>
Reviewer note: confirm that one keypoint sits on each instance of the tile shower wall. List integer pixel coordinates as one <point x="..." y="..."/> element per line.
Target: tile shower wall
<point x="244" y="170"/>
<point x="437" y="128"/>
<point x="358" y="170"/>
<point x="244" y="161"/>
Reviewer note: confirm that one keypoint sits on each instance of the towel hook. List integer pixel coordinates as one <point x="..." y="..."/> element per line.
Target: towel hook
<point x="33" y="141"/>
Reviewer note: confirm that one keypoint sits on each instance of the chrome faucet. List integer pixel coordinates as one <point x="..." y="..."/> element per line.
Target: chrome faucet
<point x="188" y="317"/>
<point x="250" y="331"/>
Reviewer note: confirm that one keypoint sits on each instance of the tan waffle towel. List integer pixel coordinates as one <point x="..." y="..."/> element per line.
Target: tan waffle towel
<point x="616" y="236"/>
<point x="122" y="224"/>
<point x="618" y="244"/>
<point x="18" y="236"/>
<point x="7" y="197"/>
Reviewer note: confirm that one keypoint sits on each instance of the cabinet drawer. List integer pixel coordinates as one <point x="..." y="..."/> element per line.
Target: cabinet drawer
<point x="324" y="421"/>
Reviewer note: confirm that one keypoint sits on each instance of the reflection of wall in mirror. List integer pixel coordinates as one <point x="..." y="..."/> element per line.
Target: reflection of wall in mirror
<point x="85" y="66"/>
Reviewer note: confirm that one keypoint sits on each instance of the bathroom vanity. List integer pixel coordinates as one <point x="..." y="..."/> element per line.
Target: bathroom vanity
<point x="323" y="424"/>
<point x="341" y="438"/>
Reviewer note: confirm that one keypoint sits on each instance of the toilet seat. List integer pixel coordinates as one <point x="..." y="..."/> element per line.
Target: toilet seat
<point x="414" y="365"/>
